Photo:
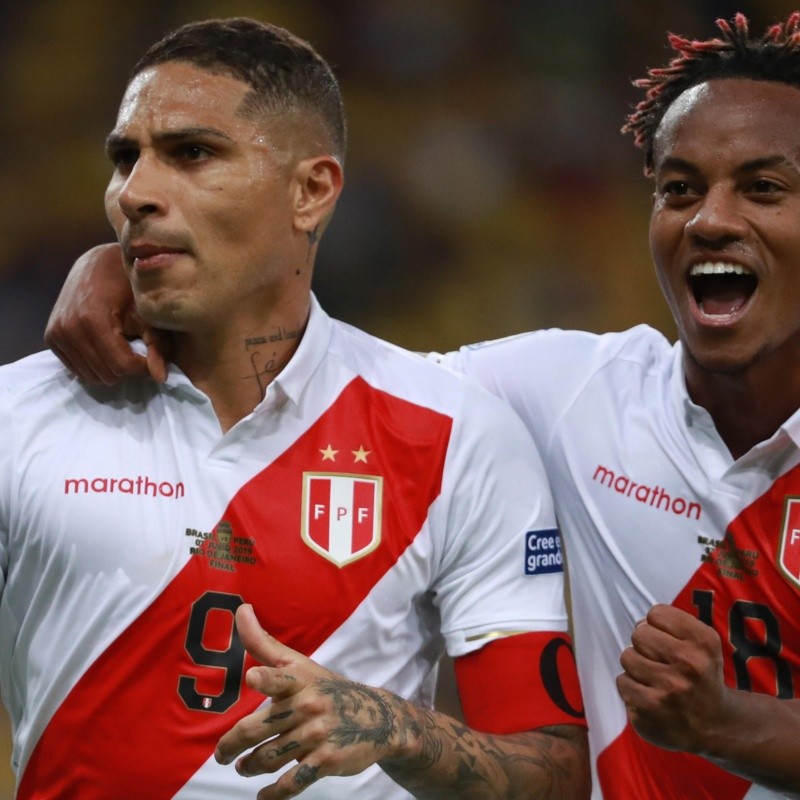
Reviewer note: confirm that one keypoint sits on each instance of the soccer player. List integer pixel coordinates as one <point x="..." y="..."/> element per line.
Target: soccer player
<point x="675" y="468"/>
<point x="361" y="504"/>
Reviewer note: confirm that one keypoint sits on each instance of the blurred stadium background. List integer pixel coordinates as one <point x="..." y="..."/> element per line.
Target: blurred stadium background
<point x="488" y="189"/>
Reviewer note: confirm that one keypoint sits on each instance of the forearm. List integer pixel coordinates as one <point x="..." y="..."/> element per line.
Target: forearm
<point x="329" y="725"/>
<point x="758" y="738"/>
<point x="444" y="759"/>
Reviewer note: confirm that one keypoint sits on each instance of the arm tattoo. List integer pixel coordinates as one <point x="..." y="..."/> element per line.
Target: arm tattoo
<point x="549" y="763"/>
<point x="451" y="760"/>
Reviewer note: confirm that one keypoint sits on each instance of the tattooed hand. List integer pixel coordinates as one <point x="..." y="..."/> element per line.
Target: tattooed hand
<point x="329" y="725"/>
<point x="332" y="726"/>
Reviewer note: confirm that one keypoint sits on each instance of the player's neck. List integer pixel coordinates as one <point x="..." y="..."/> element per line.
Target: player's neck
<point x="234" y="363"/>
<point x="747" y="407"/>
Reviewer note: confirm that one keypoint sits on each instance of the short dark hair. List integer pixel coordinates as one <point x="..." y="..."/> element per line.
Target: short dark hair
<point x="774" y="56"/>
<point x="284" y="72"/>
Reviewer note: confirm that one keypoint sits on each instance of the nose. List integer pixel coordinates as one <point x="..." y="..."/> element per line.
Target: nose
<point x="142" y="192"/>
<point x="718" y="218"/>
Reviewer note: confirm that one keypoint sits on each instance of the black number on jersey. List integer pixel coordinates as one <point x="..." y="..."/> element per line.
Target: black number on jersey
<point x="742" y="613"/>
<point x="551" y="677"/>
<point x="231" y="659"/>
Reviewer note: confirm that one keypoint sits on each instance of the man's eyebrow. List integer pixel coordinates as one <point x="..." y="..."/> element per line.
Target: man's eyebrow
<point x="115" y="141"/>
<point x="768" y="162"/>
<point x="680" y="164"/>
<point x="755" y="164"/>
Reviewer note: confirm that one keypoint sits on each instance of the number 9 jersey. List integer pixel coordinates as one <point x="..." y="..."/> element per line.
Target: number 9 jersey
<point x="373" y="508"/>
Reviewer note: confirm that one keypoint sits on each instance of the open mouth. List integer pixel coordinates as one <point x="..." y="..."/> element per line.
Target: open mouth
<point x="721" y="289"/>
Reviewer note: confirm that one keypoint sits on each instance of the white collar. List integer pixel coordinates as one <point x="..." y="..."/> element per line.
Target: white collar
<point x="288" y="385"/>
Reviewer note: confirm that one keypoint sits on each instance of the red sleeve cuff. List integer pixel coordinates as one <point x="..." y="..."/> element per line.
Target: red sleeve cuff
<point x="519" y="683"/>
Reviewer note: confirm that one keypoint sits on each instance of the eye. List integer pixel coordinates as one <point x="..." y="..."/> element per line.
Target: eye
<point x="123" y="158"/>
<point x="676" y="188"/>
<point x="765" y="186"/>
<point x="678" y="193"/>
<point x="766" y="191"/>
<point x="192" y="152"/>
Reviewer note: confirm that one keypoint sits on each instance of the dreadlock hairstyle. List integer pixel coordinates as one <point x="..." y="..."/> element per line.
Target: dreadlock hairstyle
<point x="775" y="56"/>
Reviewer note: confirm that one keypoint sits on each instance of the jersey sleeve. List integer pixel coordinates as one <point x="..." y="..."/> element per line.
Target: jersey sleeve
<point x="520" y="683"/>
<point x="542" y="373"/>
<point x="501" y="567"/>
<point x="6" y="460"/>
<point x="536" y="373"/>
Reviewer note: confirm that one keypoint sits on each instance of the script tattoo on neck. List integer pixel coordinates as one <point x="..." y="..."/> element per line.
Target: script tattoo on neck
<point x="266" y="365"/>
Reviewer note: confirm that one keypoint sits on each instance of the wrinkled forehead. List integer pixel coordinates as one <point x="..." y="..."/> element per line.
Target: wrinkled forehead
<point x="754" y="114"/>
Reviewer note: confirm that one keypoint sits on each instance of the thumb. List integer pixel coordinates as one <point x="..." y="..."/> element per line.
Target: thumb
<point x="158" y="347"/>
<point x="265" y="649"/>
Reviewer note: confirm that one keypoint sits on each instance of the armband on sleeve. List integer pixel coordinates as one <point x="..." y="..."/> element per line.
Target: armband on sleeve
<point x="521" y="682"/>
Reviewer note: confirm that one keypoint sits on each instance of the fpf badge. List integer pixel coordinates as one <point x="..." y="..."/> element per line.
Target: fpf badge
<point x="789" y="548"/>
<point x="341" y="515"/>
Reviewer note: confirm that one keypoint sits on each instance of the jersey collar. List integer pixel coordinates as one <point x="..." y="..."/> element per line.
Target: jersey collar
<point x="293" y="378"/>
<point x="290" y="382"/>
<point x="699" y="424"/>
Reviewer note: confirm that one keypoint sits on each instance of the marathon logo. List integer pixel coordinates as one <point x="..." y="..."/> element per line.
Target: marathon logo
<point x="543" y="552"/>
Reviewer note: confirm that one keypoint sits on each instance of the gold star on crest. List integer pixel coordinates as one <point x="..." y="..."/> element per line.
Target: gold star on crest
<point x="360" y="454"/>
<point x="329" y="454"/>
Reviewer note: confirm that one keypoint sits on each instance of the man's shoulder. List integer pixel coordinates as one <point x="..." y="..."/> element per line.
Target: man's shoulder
<point x="555" y="344"/>
<point x="558" y="362"/>
<point x="405" y="373"/>
<point x="32" y="372"/>
<point x="40" y="382"/>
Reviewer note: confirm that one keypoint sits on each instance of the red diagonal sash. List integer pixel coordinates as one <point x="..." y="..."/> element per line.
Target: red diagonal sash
<point x="741" y="590"/>
<point x="124" y="730"/>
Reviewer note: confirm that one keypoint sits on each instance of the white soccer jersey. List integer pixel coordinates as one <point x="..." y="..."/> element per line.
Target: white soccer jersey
<point x="370" y="506"/>
<point x="653" y="509"/>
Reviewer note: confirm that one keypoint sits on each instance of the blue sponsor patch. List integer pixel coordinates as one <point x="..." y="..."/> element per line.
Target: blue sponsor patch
<point x="543" y="552"/>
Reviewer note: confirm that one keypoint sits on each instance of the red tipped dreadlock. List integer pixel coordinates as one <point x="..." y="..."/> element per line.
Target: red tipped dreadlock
<point x="773" y="57"/>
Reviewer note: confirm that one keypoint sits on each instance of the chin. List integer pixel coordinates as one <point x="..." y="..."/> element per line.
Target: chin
<point x="168" y="318"/>
<point x="722" y="362"/>
<point x="159" y="307"/>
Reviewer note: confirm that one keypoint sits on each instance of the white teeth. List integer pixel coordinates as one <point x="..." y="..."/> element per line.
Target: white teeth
<point x="718" y="268"/>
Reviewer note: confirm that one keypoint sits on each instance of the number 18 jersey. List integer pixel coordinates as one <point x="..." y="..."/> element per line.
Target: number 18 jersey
<point x="653" y="509"/>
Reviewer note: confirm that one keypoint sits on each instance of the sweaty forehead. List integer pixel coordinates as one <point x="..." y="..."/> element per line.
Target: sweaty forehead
<point x="178" y="94"/>
<point x="755" y="118"/>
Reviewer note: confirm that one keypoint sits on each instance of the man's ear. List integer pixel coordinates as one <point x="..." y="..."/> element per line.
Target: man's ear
<point x="317" y="185"/>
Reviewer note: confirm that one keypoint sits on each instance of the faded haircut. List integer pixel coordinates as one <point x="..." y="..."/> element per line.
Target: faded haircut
<point x="285" y="73"/>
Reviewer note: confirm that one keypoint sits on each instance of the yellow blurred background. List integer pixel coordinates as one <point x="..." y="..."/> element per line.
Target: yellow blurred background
<point x="488" y="188"/>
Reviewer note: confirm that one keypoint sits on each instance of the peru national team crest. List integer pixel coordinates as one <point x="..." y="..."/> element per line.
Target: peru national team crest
<point x="789" y="548"/>
<point x="341" y="515"/>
